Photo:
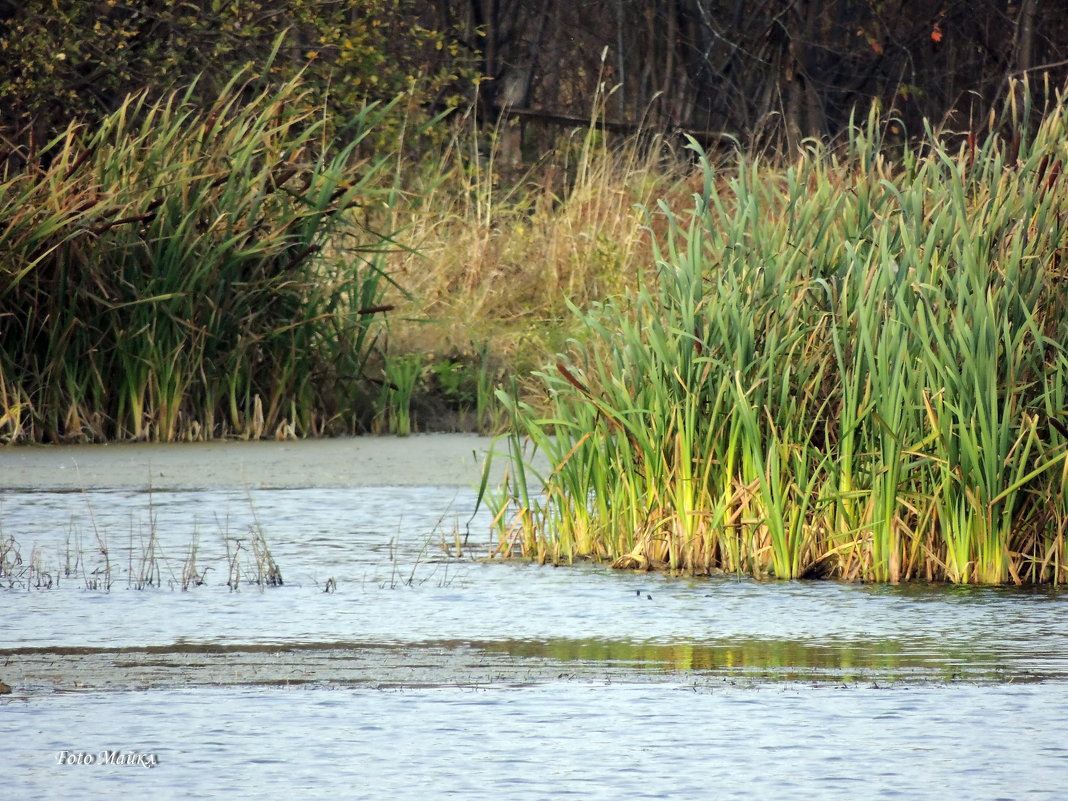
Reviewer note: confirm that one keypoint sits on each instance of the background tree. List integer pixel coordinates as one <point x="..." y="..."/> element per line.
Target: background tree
<point x="769" y="71"/>
<point x="71" y="59"/>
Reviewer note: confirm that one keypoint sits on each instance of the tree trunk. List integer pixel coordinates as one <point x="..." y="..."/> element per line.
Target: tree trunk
<point x="1025" y="35"/>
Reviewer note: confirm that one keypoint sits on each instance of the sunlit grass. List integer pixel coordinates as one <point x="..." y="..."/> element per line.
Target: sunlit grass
<point x="496" y="252"/>
<point x="853" y="366"/>
<point x="187" y="273"/>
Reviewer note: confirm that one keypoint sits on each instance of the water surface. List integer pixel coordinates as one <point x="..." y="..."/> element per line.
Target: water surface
<point x="390" y="659"/>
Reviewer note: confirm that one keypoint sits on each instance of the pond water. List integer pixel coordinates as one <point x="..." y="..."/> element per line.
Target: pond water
<point x="392" y="664"/>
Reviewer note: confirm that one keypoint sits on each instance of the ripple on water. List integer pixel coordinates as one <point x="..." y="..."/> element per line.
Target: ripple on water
<point x="590" y="740"/>
<point x="516" y="679"/>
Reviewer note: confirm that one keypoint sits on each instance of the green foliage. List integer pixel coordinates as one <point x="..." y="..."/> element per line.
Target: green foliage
<point x="178" y="272"/>
<point x="70" y="59"/>
<point x="401" y="374"/>
<point x="467" y="385"/>
<point x="854" y="367"/>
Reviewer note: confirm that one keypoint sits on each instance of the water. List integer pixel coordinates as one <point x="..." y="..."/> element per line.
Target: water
<point x="427" y="674"/>
<point x="550" y="741"/>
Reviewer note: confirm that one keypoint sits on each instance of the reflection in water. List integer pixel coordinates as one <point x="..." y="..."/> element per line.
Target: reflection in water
<point x="454" y="663"/>
<point x="421" y="669"/>
<point x="383" y="553"/>
<point x="777" y="660"/>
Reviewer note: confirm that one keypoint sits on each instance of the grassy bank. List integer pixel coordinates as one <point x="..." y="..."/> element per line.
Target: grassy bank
<point x="854" y="366"/>
<point x="850" y="365"/>
<point x="496" y="252"/>
<point x="181" y="272"/>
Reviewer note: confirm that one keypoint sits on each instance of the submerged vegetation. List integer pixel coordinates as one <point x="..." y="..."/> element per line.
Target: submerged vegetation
<point x="852" y="366"/>
<point x="101" y="564"/>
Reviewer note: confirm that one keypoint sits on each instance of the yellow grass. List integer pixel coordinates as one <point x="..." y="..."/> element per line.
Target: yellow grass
<point x="498" y="253"/>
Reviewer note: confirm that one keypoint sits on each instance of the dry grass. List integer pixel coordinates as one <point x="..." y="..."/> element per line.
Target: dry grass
<point x="497" y="256"/>
<point x="169" y="285"/>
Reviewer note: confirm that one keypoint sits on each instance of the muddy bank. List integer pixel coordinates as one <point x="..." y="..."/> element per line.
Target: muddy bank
<point x="445" y="663"/>
<point x="380" y="666"/>
<point x="420" y="460"/>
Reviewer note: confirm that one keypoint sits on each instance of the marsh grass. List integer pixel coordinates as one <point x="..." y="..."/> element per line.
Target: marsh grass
<point x="458" y="393"/>
<point x="146" y="563"/>
<point x="192" y="574"/>
<point x="852" y="366"/>
<point x="143" y="570"/>
<point x="101" y="576"/>
<point x="29" y="572"/>
<point x="180" y="272"/>
<point x="427" y="564"/>
<point x="187" y="273"/>
<point x="394" y="415"/>
<point x="249" y="558"/>
<point x="496" y="251"/>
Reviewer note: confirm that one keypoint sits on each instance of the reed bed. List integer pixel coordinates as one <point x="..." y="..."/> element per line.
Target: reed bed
<point x="188" y="272"/>
<point x="854" y="366"/>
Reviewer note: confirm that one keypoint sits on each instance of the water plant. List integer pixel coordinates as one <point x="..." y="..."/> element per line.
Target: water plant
<point x="187" y="272"/>
<point x="248" y="556"/>
<point x="465" y="385"/>
<point x="259" y="567"/>
<point x="852" y="365"/>
<point x="401" y="374"/>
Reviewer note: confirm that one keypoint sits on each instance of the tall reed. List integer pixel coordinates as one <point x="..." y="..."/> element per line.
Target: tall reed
<point x="853" y="366"/>
<point x="182" y="271"/>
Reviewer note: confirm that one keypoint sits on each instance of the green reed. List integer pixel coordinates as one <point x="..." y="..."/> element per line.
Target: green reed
<point x="400" y="376"/>
<point x="852" y="366"/>
<point x="181" y="271"/>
